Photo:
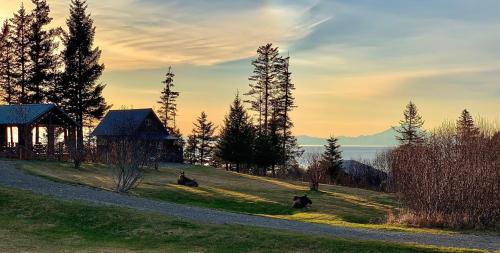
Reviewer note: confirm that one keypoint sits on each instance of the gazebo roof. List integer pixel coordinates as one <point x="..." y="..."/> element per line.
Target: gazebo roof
<point x="27" y="114"/>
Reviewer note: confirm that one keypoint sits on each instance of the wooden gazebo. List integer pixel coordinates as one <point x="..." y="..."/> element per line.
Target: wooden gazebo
<point x="19" y="123"/>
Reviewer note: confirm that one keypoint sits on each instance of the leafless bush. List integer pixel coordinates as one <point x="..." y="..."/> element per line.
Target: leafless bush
<point x="127" y="157"/>
<point x="450" y="181"/>
<point x="383" y="162"/>
<point x="317" y="171"/>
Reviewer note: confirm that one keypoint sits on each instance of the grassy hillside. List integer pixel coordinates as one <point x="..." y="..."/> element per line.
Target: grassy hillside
<point x="31" y="223"/>
<point x="242" y="193"/>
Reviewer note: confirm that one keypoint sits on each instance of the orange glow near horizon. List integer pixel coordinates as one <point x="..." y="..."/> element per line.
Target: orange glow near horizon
<point x="352" y="78"/>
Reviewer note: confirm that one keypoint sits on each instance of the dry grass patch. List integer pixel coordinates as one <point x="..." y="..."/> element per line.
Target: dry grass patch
<point x="230" y="191"/>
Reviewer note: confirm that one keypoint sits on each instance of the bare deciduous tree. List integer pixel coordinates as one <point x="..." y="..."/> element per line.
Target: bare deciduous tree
<point x="127" y="156"/>
<point x="317" y="171"/>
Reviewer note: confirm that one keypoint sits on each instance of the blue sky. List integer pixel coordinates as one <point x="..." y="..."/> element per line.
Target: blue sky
<point x="355" y="63"/>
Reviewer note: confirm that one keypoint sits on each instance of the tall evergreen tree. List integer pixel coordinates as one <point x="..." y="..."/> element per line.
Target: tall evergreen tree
<point x="20" y="37"/>
<point x="283" y="104"/>
<point x="466" y="128"/>
<point x="264" y="153"/>
<point x="190" y="153"/>
<point x="204" y="131"/>
<point x="267" y="149"/>
<point x="332" y="158"/>
<point x="410" y="129"/>
<point x="79" y="88"/>
<point x="7" y="75"/>
<point x="177" y="133"/>
<point x="277" y="155"/>
<point x="237" y="135"/>
<point x="263" y="82"/>
<point x="168" y="106"/>
<point x="42" y="53"/>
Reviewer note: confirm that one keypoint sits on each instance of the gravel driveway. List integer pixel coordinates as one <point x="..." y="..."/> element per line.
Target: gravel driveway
<point x="11" y="177"/>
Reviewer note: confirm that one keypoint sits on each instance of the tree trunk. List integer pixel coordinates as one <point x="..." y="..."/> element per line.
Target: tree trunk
<point x="11" y="137"/>
<point x="37" y="135"/>
<point x="314" y="186"/>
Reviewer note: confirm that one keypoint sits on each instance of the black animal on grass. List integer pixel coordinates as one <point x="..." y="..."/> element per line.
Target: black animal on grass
<point x="183" y="180"/>
<point x="301" y="202"/>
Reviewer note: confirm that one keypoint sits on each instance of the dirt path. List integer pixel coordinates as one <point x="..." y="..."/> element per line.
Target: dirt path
<point x="11" y="177"/>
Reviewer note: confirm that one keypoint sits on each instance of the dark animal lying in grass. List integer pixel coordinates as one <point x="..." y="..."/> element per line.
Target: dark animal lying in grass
<point x="301" y="202"/>
<point x="183" y="180"/>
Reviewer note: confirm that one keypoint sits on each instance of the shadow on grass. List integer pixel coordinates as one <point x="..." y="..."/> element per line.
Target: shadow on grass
<point x="216" y="201"/>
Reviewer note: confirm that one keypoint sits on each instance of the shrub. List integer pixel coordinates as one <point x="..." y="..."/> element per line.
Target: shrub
<point x="127" y="157"/>
<point x="450" y="180"/>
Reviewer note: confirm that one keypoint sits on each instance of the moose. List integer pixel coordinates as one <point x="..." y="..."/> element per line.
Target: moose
<point x="183" y="180"/>
<point x="301" y="202"/>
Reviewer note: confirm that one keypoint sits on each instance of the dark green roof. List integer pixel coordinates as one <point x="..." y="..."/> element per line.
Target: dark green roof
<point x="127" y="123"/>
<point x="23" y="114"/>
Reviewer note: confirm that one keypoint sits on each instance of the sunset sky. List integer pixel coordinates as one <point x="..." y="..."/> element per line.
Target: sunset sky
<point x="355" y="63"/>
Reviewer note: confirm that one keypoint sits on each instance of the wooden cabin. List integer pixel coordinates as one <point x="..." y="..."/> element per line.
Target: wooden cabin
<point x="139" y="124"/>
<point x="36" y="131"/>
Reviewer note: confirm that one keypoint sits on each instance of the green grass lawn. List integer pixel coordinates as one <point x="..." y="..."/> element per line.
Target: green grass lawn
<point x="32" y="223"/>
<point x="219" y="189"/>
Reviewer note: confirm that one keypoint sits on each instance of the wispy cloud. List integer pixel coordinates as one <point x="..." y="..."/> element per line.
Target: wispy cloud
<point x="350" y="59"/>
<point x="149" y="34"/>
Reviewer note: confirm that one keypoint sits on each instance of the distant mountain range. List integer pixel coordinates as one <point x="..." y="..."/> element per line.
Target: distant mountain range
<point x="386" y="139"/>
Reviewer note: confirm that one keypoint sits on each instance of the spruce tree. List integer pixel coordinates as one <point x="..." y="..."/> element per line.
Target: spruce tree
<point x="190" y="152"/>
<point x="277" y="155"/>
<point x="410" y="129"/>
<point x="7" y="75"/>
<point x="42" y="53"/>
<point x="263" y="82"/>
<point x="168" y="106"/>
<point x="263" y="154"/>
<point x="204" y="131"/>
<point x="236" y="139"/>
<point x="177" y="133"/>
<point x="20" y="38"/>
<point x="466" y="128"/>
<point x="79" y="88"/>
<point x="283" y="104"/>
<point x="332" y="158"/>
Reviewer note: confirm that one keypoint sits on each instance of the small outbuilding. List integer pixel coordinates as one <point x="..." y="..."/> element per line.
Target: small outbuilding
<point x="35" y="131"/>
<point x="139" y="124"/>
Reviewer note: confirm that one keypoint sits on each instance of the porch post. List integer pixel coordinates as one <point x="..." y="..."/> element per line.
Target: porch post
<point x="3" y="136"/>
<point x="71" y="142"/>
<point x="51" y="144"/>
<point x="65" y="133"/>
<point x="25" y="138"/>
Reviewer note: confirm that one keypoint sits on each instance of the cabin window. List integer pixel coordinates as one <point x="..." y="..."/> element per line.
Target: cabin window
<point x="148" y="122"/>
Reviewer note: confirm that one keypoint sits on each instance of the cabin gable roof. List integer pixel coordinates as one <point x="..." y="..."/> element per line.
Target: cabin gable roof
<point x="131" y="123"/>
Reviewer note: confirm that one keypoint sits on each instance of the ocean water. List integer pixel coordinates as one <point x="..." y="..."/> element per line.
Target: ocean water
<point x="358" y="153"/>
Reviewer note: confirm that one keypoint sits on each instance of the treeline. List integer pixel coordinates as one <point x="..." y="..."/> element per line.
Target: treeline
<point x="39" y="64"/>
<point x="447" y="177"/>
<point x="258" y="140"/>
